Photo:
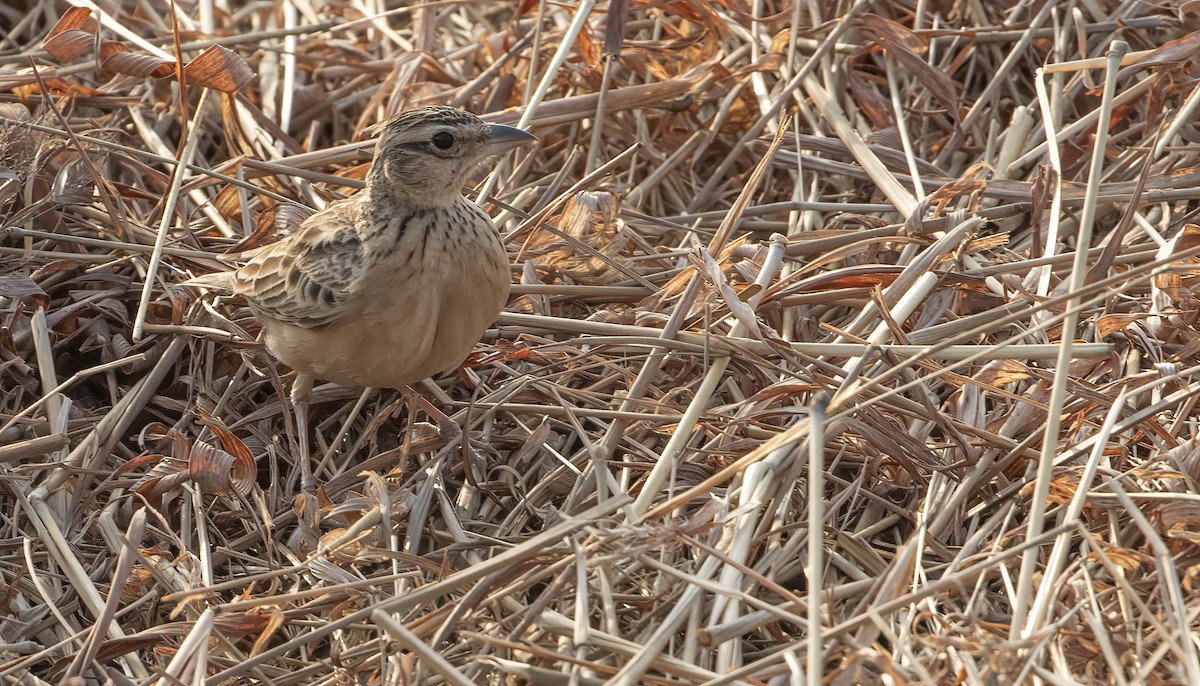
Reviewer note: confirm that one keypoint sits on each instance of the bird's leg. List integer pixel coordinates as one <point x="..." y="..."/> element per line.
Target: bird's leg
<point x="301" y="390"/>
<point x="307" y="533"/>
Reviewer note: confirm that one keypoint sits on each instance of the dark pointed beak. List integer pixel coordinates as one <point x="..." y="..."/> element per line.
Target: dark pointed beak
<point x="501" y="138"/>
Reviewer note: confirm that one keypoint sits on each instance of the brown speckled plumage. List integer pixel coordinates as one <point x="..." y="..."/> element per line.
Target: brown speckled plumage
<point x="397" y="282"/>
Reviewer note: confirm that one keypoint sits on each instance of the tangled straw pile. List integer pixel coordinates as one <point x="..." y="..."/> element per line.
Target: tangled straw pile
<point x="737" y="210"/>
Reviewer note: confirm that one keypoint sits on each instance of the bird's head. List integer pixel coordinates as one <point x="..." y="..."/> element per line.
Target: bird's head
<point x="424" y="155"/>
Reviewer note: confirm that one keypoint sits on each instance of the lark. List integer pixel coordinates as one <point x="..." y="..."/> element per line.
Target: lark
<point x="393" y="284"/>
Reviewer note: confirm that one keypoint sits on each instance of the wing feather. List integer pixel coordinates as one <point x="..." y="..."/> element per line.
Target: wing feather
<point x="307" y="278"/>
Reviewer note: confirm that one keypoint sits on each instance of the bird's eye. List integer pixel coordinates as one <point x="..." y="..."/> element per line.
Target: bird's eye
<point x="443" y="140"/>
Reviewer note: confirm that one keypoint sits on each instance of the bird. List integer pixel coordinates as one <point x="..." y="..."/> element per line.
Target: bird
<point x="393" y="284"/>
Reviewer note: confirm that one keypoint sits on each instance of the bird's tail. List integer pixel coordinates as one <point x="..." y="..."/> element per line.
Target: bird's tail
<point x="217" y="281"/>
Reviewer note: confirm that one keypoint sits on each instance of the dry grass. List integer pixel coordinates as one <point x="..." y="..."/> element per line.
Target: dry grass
<point x="1006" y="471"/>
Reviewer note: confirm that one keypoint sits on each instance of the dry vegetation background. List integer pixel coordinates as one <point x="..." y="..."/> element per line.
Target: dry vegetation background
<point x="1010" y="463"/>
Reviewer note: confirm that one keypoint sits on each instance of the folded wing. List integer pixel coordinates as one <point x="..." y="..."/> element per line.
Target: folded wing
<point x="307" y="278"/>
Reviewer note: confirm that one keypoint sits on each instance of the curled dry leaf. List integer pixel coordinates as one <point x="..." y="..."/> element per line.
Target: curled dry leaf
<point x="712" y="273"/>
<point x="216" y="471"/>
<point x="1180" y="520"/>
<point x="220" y="69"/>
<point x="217" y="67"/>
<point x="122" y="60"/>
<point x="66" y="41"/>
<point x="591" y="219"/>
<point x="219" y="472"/>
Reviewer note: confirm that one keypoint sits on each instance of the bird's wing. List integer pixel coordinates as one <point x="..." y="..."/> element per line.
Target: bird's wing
<point x="307" y="278"/>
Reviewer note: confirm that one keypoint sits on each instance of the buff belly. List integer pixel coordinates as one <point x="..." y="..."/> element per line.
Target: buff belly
<point x="403" y="334"/>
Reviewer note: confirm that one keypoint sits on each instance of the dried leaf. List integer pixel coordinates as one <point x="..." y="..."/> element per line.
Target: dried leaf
<point x="868" y="276"/>
<point x="249" y="622"/>
<point x="1001" y="373"/>
<point x="1126" y="558"/>
<point x="1180" y="520"/>
<point x="902" y="45"/>
<point x="1170" y="53"/>
<point x="18" y="286"/>
<point x="614" y="26"/>
<point x="220" y="69"/>
<point x="55" y="86"/>
<point x="66" y="42"/>
<point x="712" y="272"/>
<point x="1041" y="195"/>
<point x="1112" y="323"/>
<point x="218" y="471"/>
<point x="120" y="59"/>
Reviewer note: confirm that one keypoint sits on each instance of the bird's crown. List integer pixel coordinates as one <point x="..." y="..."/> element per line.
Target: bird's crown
<point x="436" y="115"/>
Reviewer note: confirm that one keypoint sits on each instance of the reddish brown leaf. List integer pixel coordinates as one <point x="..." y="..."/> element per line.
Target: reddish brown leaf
<point x="851" y="277"/>
<point x="66" y="41"/>
<point x="220" y="69"/>
<point x="118" y="58"/>
<point x="242" y="471"/>
<point x="591" y="51"/>
<point x="72" y="19"/>
<point x="69" y="46"/>
<point x="139" y="462"/>
<point x="952" y="190"/>
<point x="219" y="471"/>
<point x="114" y="648"/>
<point x="251" y="621"/>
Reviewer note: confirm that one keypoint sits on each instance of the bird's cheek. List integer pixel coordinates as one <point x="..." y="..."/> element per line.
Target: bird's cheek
<point x="403" y="170"/>
<point x="393" y="169"/>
